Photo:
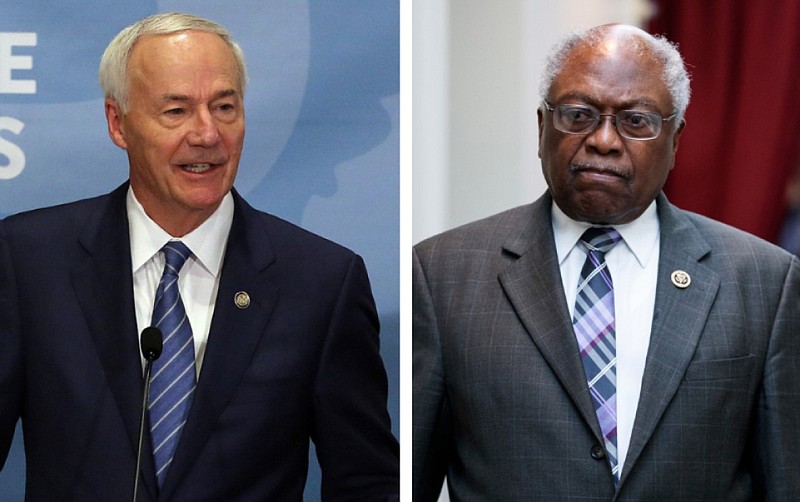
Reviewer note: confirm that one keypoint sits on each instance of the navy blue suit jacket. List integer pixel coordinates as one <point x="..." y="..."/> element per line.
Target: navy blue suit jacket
<point x="300" y="362"/>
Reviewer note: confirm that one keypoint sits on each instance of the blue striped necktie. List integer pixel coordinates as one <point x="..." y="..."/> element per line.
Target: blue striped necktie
<point x="173" y="382"/>
<point x="593" y="320"/>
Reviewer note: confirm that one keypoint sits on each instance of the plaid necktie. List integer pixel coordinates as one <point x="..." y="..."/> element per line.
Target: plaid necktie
<point x="173" y="382"/>
<point x="594" y="325"/>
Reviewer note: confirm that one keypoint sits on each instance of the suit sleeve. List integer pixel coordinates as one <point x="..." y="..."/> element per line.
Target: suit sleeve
<point x="10" y="350"/>
<point x="777" y="425"/>
<point x="358" y="454"/>
<point x="431" y="431"/>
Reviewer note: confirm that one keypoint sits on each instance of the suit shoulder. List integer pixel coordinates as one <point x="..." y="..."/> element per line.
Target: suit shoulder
<point x="58" y="210"/>
<point x="489" y="232"/>
<point x="52" y="220"/>
<point x="722" y="236"/>
<point x="290" y="237"/>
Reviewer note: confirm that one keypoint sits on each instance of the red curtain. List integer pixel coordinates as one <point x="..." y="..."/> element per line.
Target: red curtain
<point x="742" y="136"/>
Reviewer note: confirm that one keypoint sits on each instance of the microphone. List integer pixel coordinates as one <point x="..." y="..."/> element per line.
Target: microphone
<point x="152" y="343"/>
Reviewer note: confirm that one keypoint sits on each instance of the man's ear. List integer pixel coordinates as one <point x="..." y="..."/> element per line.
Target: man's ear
<point x="677" y="136"/>
<point x="539" y="116"/>
<point x="114" y="118"/>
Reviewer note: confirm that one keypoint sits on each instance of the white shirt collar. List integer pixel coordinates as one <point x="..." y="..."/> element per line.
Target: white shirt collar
<point x="207" y="241"/>
<point x="640" y="235"/>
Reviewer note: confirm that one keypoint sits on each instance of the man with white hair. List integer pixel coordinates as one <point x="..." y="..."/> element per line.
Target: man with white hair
<point x="600" y="343"/>
<point x="270" y="334"/>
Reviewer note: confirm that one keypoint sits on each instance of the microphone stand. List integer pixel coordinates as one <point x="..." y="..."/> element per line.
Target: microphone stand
<point x="147" y="369"/>
<point x="152" y="343"/>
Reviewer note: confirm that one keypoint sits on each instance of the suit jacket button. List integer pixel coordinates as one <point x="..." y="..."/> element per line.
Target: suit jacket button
<point x="598" y="453"/>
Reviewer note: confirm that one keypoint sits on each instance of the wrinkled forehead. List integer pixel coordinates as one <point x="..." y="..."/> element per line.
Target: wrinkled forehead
<point x="613" y="71"/>
<point x="182" y="55"/>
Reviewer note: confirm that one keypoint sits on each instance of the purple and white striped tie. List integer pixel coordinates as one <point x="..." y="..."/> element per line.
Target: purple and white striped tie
<point x="173" y="382"/>
<point x="593" y="321"/>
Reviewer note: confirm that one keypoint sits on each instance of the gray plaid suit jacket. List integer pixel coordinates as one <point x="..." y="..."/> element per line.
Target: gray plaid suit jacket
<point x="500" y="401"/>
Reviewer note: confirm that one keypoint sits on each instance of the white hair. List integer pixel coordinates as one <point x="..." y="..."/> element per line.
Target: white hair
<point x="674" y="74"/>
<point x="114" y="63"/>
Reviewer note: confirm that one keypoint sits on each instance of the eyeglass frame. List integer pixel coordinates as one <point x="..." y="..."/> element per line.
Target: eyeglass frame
<point x="600" y="116"/>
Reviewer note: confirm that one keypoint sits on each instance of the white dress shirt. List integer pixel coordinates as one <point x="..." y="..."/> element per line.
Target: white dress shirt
<point x="633" y="265"/>
<point x="198" y="281"/>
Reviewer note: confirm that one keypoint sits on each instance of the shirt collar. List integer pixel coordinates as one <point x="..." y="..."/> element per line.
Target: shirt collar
<point x="640" y="235"/>
<point x="207" y="241"/>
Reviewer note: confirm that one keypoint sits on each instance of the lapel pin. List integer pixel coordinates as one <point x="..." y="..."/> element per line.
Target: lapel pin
<point x="241" y="299"/>
<point x="681" y="279"/>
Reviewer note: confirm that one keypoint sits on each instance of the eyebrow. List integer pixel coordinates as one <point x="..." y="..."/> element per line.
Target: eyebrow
<point x="168" y="97"/>
<point x="624" y="105"/>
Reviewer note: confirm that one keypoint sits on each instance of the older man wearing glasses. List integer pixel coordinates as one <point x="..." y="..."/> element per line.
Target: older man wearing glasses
<point x="600" y="343"/>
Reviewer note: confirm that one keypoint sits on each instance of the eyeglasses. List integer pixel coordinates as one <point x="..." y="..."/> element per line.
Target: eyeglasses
<point x="631" y="124"/>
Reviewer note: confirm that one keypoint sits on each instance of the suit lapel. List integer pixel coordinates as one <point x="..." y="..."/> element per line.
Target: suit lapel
<point x="533" y="285"/>
<point x="678" y="320"/>
<point x="103" y="285"/>
<point x="233" y="336"/>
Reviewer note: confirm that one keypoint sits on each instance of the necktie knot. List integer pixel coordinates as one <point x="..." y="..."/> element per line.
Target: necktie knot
<point x="600" y="239"/>
<point x="175" y="253"/>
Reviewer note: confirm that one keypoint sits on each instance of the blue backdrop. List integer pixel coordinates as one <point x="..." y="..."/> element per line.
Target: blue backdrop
<point x="321" y="148"/>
